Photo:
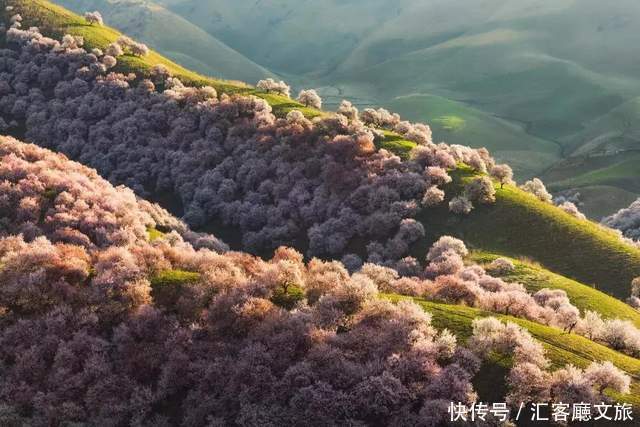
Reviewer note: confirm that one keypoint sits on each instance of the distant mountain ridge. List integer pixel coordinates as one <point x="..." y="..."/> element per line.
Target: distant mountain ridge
<point x="174" y="36"/>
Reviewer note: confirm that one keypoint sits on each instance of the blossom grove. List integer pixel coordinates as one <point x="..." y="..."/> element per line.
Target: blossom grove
<point x="89" y="335"/>
<point x="275" y="180"/>
<point x="114" y="311"/>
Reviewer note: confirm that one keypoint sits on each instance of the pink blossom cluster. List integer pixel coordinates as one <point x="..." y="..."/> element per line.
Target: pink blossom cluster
<point x="90" y="334"/>
<point x="529" y="379"/>
<point x="44" y="194"/>
<point x="626" y="220"/>
<point x="221" y="161"/>
<point x="448" y="279"/>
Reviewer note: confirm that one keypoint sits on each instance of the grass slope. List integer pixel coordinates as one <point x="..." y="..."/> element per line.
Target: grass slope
<point x="554" y="65"/>
<point x="519" y="225"/>
<point x="534" y="277"/>
<point x="604" y="170"/>
<point x="56" y="21"/>
<point x="619" y="170"/>
<point x="619" y="129"/>
<point x="290" y="36"/>
<point x="154" y="234"/>
<point x="561" y="348"/>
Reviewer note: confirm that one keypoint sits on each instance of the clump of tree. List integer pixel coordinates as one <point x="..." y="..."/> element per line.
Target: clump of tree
<point x="273" y="180"/>
<point x="634" y="299"/>
<point x="481" y="190"/>
<point x="309" y="98"/>
<point x="94" y="18"/>
<point x="124" y="45"/>
<point x="348" y="110"/>
<point x="503" y="174"/>
<point x="569" y="202"/>
<point x="537" y="188"/>
<point x="159" y="74"/>
<point x="571" y="209"/>
<point x="447" y="279"/>
<point x="272" y="86"/>
<point x="88" y="284"/>
<point x="16" y="21"/>
<point x="621" y="335"/>
<point x="433" y="196"/>
<point x="529" y="379"/>
<point x="129" y="45"/>
<point x="502" y="266"/>
<point x="46" y="195"/>
<point x="138" y="326"/>
<point x="114" y="50"/>
<point x="626" y="220"/>
<point x="460" y="205"/>
<point x="109" y="61"/>
<point x="383" y="119"/>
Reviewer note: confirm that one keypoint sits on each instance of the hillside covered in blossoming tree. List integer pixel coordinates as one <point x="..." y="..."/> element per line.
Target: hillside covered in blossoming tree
<point x="178" y="249"/>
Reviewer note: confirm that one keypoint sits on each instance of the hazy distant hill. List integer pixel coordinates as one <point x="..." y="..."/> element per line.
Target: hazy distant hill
<point x="174" y="36"/>
<point x="509" y="58"/>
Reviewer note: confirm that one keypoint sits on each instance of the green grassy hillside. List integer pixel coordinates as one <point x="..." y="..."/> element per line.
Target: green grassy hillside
<point x="519" y="225"/>
<point x="184" y="43"/>
<point x="554" y="65"/>
<point x="599" y="201"/>
<point x="605" y="183"/>
<point x="605" y="153"/>
<point x="535" y="277"/>
<point x="561" y="348"/>
<point x="614" y="131"/>
<point x="619" y="170"/>
<point x="318" y="36"/>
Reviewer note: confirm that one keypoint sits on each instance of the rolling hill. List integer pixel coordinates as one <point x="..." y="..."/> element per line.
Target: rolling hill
<point x="458" y="123"/>
<point x="545" y="74"/>
<point x="535" y="277"/>
<point x="153" y="318"/>
<point x="517" y="225"/>
<point x="561" y="348"/>
<point x="57" y="21"/>
<point x="520" y="225"/>
<point x="549" y="247"/>
<point x="257" y="29"/>
<point x="175" y="37"/>
<point x="603" y="160"/>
